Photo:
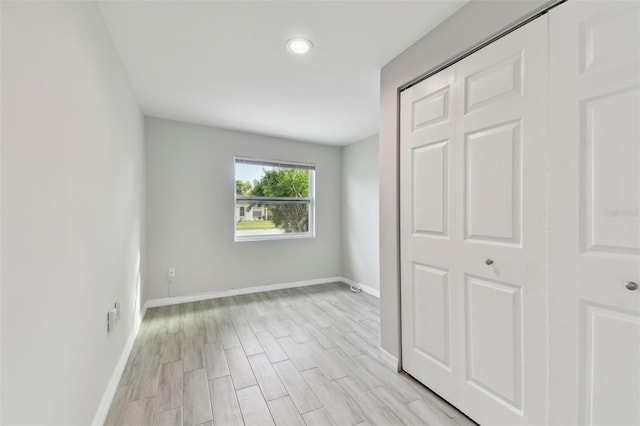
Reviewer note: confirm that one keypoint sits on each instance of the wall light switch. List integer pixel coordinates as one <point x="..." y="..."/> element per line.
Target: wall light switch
<point x="172" y="272"/>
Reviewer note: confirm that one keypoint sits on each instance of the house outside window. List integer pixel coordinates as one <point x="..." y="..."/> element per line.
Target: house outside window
<point x="273" y="199"/>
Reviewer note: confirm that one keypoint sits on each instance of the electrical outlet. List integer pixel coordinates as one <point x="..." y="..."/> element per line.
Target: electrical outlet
<point x="172" y="272"/>
<point x="111" y="319"/>
<point x="118" y="307"/>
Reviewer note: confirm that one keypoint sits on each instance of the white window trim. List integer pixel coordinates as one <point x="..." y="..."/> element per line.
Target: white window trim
<point x="311" y="233"/>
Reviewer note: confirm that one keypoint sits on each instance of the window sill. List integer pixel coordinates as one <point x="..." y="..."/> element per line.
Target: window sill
<point x="270" y="237"/>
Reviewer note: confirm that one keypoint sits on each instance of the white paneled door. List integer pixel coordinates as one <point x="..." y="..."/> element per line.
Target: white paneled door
<point x="595" y="213"/>
<point x="520" y="223"/>
<point x="473" y="223"/>
<point x="429" y="232"/>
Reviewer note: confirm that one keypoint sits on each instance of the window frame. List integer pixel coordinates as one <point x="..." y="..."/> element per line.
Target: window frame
<point x="311" y="200"/>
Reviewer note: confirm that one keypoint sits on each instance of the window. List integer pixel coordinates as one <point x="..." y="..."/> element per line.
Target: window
<point x="274" y="199"/>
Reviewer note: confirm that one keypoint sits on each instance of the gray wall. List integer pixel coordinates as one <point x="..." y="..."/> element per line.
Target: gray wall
<point x="476" y="21"/>
<point x="360" y="223"/>
<point x="72" y="210"/>
<point x="190" y="204"/>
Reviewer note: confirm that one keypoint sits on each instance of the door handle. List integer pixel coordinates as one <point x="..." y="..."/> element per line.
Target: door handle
<point x="488" y="262"/>
<point x="630" y="285"/>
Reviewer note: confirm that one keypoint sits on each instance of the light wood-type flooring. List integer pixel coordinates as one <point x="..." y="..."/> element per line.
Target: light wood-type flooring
<point x="299" y="356"/>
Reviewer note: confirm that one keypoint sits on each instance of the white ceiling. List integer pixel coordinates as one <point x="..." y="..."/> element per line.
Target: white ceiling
<point x="224" y="63"/>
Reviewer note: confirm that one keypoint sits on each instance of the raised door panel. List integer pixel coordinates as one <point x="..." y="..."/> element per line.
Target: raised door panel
<point x="611" y="356"/>
<point x="494" y="339"/>
<point x="432" y="306"/>
<point x="610" y="178"/>
<point x="493" y="187"/>
<point x="610" y="38"/>
<point x="430" y="109"/>
<point x="430" y="186"/>
<point x="493" y="83"/>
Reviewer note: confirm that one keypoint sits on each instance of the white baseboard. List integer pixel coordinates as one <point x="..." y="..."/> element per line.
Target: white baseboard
<point x="237" y="292"/>
<point x="388" y="359"/>
<point x="112" y="386"/>
<point x="370" y="290"/>
<point x="365" y="288"/>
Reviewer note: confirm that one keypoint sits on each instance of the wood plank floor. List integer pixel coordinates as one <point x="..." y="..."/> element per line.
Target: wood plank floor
<point x="287" y="357"/>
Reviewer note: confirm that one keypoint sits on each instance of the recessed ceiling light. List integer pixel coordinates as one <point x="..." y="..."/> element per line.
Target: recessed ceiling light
<point x="299" y="45"/>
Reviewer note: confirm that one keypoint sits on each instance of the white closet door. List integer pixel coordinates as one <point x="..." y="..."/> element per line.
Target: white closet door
<point x="595" y="213"/>
<point x="428" y="237"/>
<point x="472" y="173"/>
<point x="501" y="128"/>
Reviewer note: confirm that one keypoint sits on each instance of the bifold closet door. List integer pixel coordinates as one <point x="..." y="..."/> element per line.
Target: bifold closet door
<point x="430" y="232"/>
<point x="473" y="223"/>
<point x="594" y="213"/>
